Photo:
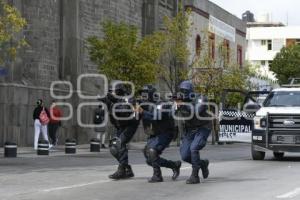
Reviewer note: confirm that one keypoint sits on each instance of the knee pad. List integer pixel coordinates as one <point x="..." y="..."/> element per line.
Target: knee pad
<point x="146" y="155"/>
<point x="115" y="147"/>
<point x="152" y="155"/>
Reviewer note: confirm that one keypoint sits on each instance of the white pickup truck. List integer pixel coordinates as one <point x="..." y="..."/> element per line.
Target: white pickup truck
<point x="277" y="124"/>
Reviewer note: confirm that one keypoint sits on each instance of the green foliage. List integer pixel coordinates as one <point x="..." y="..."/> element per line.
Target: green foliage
<point x="175" y="50"/>
<point x="211" y="81"/>
<point x="238" y="79"/>
<point x="212" y="77"/>
<point x="11" y="23"/>
<point x="287" y="63"/>
<point x="163" y="54"/>
<point x="120" y="55"/>
<point x="176" y="32"/>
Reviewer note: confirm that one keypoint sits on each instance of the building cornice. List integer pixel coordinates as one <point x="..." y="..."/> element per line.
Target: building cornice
<point x="206" y="15"/>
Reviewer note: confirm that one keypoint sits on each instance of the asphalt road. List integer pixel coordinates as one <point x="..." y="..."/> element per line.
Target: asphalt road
<point x="84" y="177"/>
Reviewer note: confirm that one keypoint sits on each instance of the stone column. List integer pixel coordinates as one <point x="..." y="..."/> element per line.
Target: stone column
<point x="70" y="40"/>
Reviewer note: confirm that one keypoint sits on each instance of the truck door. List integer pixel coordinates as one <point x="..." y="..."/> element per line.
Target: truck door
<point x="236" y="114"/>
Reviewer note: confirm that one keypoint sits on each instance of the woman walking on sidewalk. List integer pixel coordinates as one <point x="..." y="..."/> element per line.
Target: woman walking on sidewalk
<point x="55" y="123"/>
<point x="41" y="117"/>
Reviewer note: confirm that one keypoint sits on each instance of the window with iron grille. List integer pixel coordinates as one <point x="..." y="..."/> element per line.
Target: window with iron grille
<point x="240" y="55"/>
<point x="227" y="51"/>
<point x="198" y="45"/>
<point x="212" y="45"/>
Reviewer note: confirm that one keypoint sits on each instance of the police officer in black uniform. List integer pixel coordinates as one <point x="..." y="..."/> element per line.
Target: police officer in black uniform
<point x="119" y="108"/>
<point x="196" y="130"/>
<point x="158" y="121"/>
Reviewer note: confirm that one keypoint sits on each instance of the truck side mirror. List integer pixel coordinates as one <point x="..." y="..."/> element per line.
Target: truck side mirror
<point x="251" y="107"/>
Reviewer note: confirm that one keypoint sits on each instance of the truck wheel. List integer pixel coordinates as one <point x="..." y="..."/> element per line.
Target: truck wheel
<point x="258" y="155"/>
<point x="278" y="155"/>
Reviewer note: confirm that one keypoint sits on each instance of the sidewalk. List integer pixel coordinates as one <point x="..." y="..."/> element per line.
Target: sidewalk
<point x="60" y="150"/>
<point x="80" y="149"/>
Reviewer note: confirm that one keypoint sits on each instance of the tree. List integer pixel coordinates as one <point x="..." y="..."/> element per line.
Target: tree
<point x="212" y="76"/>
<point x="120" y="55"/>
<point x="163" y="54"/>
<point x="175" y="51"/>
<point x="11" y="23"/>
<point x="287" y="63"/>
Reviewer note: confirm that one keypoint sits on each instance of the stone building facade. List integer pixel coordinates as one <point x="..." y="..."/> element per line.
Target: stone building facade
<point x="56" y="32"/>
<point x="213" y="29"/>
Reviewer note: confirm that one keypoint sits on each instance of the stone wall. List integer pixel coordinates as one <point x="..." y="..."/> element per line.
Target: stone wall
<point x="94" y="12"/>
<point x="56" y="32"/>
<point x="33" y="71"/>
<point x="37" y="63"/>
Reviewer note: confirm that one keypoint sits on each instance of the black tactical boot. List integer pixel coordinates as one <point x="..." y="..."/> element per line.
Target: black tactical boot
<point x="128" y="171"/>
<point x="204" y="168"/>
<point x="194" y="179"/>
<point x="176" y="170"/>
<point x="157" y="177"/>
<point x="119" y="174"/>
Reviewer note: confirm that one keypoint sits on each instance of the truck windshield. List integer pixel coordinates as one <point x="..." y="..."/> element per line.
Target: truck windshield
<point x="283" y="99"/>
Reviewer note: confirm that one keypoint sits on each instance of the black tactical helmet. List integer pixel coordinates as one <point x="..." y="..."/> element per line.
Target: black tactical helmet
<point x="118" y="88"/>
<point x="186" y="90"/>
<point x="148" y="93"/>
